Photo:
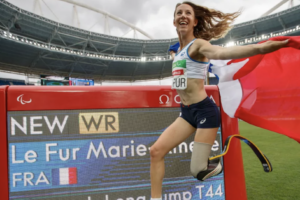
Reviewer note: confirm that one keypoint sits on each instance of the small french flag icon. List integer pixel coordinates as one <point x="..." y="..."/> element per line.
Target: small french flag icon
<point x="64" y="176"/>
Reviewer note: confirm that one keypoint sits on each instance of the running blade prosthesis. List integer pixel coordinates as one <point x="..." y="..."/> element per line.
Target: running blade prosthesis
<point x="267" y="166"/>
<point x="214" y="166"/>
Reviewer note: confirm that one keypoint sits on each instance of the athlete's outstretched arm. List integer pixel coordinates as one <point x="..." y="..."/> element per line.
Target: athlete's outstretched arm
<point x="226" y="53"/>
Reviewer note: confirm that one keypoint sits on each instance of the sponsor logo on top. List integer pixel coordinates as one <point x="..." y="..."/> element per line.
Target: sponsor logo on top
<point x="179" y="64"/>
<point x="178" y="72"/>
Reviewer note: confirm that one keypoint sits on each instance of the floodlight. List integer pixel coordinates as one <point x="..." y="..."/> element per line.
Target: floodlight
<point x="230" y="44"/>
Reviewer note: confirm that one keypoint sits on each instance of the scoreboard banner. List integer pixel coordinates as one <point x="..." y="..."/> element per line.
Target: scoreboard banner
<point x="92" y="149"/>
<point x="101" y="153"/>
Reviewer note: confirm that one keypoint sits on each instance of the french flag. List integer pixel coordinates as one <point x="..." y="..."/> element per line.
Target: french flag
<point x="64" y="176"/>
<point x="264" y="90"/>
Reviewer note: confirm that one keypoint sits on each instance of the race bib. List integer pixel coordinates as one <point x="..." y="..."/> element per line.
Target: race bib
<point x="179" y="75"/>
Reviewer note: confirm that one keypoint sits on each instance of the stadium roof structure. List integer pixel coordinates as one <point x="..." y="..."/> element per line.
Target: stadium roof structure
<point x="32" y="44"/>
<point x="284" y="23"/>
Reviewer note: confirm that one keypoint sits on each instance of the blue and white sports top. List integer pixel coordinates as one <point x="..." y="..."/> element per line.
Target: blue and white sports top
<point x="194" y="69"/>
<point x="184" y="67"/>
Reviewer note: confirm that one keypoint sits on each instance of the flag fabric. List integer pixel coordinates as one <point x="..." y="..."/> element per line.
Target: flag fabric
<point x="64" y="176"/>
<point x="264" y="90"/>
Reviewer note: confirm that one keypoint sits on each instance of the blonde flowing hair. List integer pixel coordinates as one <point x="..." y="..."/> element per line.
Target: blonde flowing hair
<point x="212" y="24"/>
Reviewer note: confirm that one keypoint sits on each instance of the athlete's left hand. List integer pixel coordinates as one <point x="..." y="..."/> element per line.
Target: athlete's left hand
<point x="270" y="46"/>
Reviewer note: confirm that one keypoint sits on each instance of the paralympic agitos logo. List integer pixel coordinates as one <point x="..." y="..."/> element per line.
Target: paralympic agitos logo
<point x="22" y="101"/>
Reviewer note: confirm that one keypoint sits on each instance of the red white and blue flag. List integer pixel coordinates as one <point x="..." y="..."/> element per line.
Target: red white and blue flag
<point x="64" y="176"/>
<point x="264" y="90"/>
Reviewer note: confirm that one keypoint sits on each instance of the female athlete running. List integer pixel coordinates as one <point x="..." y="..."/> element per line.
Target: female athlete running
<point x="196" y="26"/>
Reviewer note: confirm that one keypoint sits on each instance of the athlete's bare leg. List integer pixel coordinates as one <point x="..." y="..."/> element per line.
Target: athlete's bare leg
<point x="176" y="133"/>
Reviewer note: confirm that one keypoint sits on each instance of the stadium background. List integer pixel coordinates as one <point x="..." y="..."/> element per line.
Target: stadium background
<point x="36" y="46"/>
<point x="33" y="45"/>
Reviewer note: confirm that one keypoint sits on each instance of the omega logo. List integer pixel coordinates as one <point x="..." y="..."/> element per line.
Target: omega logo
<point x="165" y="99"/>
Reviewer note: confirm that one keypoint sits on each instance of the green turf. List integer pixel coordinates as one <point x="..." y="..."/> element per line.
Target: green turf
<point x="283" y="183"/>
